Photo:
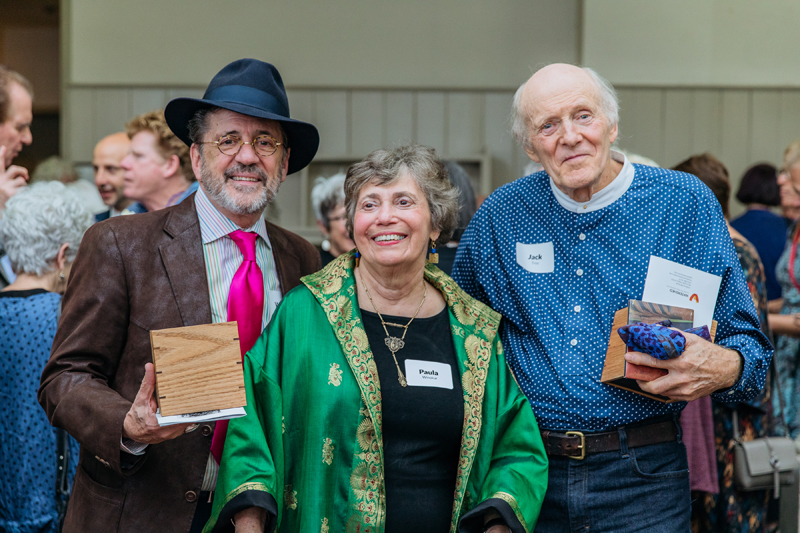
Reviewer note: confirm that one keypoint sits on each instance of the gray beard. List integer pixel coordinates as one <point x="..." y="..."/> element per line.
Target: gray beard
<point x="214" y="187"/>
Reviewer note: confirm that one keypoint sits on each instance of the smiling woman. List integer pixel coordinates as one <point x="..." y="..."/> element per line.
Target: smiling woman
<point x="422" y="427"/>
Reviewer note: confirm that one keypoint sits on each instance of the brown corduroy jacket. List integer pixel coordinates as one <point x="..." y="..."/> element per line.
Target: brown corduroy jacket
<point x="134" y="274"/>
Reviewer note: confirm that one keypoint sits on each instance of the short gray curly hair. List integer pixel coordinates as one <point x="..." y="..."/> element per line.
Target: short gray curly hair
<point x="383" y="167"/>
<point x="37" y="221"/>
<point x="520" y="117"/>
<point x="326" y="195"/>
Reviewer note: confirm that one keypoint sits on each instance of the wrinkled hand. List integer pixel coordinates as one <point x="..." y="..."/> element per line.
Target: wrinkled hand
<point x="12" y="179"/>
<point x="250" y="520"/>
<point x="703" y="368"/>
<point x="140" y="422"/>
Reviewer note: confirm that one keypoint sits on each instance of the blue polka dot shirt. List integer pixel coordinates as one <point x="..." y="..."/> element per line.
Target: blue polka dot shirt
<point x="556" y="324"/>
<point x="28" y="461"/>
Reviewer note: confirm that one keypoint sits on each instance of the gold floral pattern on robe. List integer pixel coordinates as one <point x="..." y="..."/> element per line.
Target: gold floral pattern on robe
<point x="289" y="498"/>
<point x="327" y="451"/>
<point x="335" y="375"/>
<point x="324" y="528"/>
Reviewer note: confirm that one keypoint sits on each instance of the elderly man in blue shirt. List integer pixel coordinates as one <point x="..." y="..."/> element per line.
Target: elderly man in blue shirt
<point x="557" y="253"/>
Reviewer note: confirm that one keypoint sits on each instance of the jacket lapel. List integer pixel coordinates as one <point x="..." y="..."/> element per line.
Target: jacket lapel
<point x="185" y="265"/>
<point x="287" y="263"/>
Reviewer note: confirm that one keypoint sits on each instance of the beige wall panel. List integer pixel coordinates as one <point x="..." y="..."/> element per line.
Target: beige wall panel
<point x="642" y="122"/>
<point x="80" y="131"/>
<point x="789" y="128"/>
<point x="497" y="137"/>
<point x="302" y="105"/>
<point x="400" y="117"/>
<point x="736" y="150"/>
<point x="332" y="122"/>
<point x="706" y="122"/>
<point x="291" y="202"/>
<point x="733" y="43"/>
<point x="112" y="111"/>
<point x="431" y="117"/>
<point x="185" y="92"/>
<point x="678" y="112"/>
<point x="145" y="100"/>
<point x="464" y="123"/>
<point x="367" y="126"/>
<point x="765" y="130"/>
<point x="348" y="43"/>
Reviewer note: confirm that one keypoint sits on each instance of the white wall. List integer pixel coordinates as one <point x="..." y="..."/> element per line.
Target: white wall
<point x="722" y="43"/>
<point x="346" y="43"/>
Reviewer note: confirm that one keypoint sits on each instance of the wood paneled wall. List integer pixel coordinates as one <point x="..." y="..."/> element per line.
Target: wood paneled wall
<point x="740" y="126"/>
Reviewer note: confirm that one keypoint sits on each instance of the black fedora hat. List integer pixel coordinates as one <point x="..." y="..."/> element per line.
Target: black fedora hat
<point x="253" y="88"/>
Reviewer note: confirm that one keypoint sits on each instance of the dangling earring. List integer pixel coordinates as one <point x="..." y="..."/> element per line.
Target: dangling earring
<point x="326" y="245"/>
<point x="433" y="257"/>
<point x="358" y="256"/>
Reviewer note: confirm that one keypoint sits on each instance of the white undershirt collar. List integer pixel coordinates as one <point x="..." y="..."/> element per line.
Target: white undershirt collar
<point x="604" y="197"/>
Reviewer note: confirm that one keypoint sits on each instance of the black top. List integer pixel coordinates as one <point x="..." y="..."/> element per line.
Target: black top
<point x="22" y="294"/>
<point x="421" y="424"/>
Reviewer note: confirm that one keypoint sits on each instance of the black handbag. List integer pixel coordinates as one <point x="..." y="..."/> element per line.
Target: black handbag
<point x="766" y="462"/>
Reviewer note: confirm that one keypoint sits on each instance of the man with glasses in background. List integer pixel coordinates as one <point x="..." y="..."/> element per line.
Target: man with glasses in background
<point x="212" y="258"/>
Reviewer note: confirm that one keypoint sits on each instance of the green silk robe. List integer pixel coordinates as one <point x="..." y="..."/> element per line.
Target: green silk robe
<point x="312" y="435"/>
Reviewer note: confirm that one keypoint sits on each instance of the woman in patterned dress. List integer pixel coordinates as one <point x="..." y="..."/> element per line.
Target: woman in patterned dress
<point x="41" y="229"/>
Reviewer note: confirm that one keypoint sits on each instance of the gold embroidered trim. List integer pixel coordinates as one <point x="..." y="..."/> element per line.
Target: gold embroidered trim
<point x="324" y="528"/>
<point x="327" y="451"/>
<point x="335" y="375"/>
<point x="512" y="502"/>
<point x="334" y="289"/>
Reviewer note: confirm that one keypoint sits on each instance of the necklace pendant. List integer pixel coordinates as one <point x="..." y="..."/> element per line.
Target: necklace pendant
<point x="401" y="378"/>
<point x="394" y="344"/>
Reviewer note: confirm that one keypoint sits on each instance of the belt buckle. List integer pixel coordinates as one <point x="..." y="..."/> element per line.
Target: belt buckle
<point x="581" y="446"/>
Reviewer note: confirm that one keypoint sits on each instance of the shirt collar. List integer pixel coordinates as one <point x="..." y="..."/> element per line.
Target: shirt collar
<point x="604" y="197"/>
<point x="214" y="225"/>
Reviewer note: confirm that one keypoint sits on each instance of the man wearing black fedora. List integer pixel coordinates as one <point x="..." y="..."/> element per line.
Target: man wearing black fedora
<point x="212" y="258"/>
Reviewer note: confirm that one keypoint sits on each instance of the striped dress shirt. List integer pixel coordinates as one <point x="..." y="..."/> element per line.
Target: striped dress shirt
<point x="223" y="258"/>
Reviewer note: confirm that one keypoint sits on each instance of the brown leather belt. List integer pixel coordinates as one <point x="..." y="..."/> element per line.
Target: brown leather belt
<point x="578" y="445"/>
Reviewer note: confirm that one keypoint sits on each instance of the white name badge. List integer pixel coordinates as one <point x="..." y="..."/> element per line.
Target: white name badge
<point x="536" y="258"/>
<point x="428" y="374"/>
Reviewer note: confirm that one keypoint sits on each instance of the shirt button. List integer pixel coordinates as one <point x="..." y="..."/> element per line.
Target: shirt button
<point x="206" y="431"/>
<point x="579" y="272"/>
<point x="577" y="308"/>
<point x="573" y="342"/>
<point x="191" y="496"/>
<point x="582" y="236"/>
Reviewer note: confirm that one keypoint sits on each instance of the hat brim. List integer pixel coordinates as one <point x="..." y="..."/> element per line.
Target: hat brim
<point x="303" y="137"/>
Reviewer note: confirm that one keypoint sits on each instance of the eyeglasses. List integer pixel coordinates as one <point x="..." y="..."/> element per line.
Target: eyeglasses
<point x="337" y="219"/>
<point x="264" y="145"/>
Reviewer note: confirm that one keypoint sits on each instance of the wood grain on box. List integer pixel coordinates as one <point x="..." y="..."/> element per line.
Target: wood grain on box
<point x="198" y="368"/>
<point x="617" y="372"/>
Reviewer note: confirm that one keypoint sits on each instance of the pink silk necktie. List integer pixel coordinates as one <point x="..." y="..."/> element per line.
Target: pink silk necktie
<point x="246" y="307"/>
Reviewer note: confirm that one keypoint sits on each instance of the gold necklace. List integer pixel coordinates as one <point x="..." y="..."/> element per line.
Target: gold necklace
<point x="393" y="343"/>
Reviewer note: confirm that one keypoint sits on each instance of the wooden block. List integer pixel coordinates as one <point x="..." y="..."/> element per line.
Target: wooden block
<point x="198" y="368"/>
<point x="617" y="372"/>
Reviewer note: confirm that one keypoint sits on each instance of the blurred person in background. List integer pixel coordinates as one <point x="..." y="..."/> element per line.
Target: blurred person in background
<point x="759" y="192"/>
<point x="467" y="205"/>
<point x="327" y="199"/>
<point x="16" y="115"/>
<point x="42" y="228"/>
<point x="718" y="507"/>
<point x="786" y="323"/>
<point x="55" y="168"/>
<point x="108" y="173"/>
<point x="157" y="169"/>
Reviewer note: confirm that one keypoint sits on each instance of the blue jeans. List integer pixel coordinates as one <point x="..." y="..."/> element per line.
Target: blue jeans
<point x="632" y="489"/>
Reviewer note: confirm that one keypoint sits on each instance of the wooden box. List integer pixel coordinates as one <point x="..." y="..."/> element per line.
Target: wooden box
<point x="198" y="368"/>
<point x="617" y="372"/>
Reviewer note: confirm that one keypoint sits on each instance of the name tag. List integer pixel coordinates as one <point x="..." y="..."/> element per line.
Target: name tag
<point x="536" y="258"/>
<point x="428" y="374"/>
